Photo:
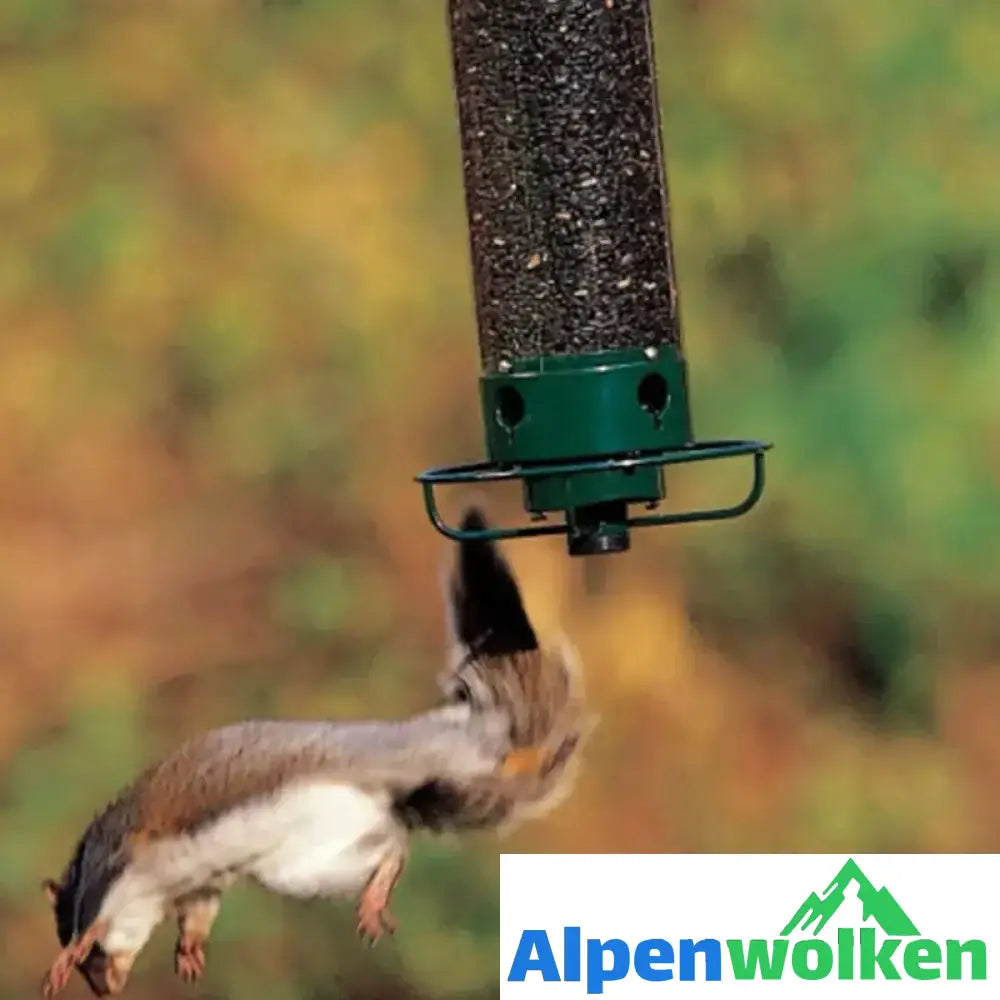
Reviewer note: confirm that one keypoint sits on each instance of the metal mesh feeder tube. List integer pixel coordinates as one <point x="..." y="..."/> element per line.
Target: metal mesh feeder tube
<point x="576" y="299"/>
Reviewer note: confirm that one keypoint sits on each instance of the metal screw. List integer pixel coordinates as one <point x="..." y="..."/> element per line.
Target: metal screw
<point x="651" y="352"/>
<point x="504" y="366"/>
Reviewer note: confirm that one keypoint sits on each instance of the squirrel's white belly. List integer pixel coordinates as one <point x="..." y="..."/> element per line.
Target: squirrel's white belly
<point x="311" y="839"/>
<point x="328" y="841"/>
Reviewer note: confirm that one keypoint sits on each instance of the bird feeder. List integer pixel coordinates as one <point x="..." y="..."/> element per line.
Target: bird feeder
<point x="584" y="385"/>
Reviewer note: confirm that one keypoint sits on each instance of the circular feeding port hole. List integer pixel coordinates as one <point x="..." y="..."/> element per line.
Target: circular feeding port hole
<point x="510" y="407"/>
<point x="653" y="393"/>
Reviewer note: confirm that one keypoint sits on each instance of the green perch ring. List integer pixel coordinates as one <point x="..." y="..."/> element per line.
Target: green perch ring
<point x="602" y="527"/>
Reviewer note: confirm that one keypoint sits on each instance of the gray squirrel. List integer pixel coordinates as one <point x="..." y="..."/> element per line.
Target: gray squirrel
<point x="326" y="808"/>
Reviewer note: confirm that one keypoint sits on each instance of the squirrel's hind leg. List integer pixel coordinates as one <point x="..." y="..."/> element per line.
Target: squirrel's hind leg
<point x="373" y="903"/>
<point x="196" y="914"/>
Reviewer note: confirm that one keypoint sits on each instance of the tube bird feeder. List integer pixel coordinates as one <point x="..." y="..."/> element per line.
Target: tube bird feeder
<point x="584" y="386"/>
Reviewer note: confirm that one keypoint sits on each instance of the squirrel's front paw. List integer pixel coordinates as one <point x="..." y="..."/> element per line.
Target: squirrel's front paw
<point x="58" y="975"/>
<point x="189" y="957"/>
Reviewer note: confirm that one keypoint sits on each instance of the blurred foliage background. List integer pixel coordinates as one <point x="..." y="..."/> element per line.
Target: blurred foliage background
<point x="236" y="319"/>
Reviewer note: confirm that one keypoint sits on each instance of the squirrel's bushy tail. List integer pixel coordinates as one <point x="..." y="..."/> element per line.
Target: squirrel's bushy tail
<point x="502" y="665"/>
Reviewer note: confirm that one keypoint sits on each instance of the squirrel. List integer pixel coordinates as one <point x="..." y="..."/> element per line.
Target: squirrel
<point x="326" y="808"/>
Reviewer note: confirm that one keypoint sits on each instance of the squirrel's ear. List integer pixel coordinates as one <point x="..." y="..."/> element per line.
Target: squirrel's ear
<point x="487" y="614"/>
<point x="51" y="889"/>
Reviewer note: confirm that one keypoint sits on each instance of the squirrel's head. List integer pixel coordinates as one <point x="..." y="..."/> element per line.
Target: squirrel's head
<point x="102" y="975"/>
<point x="75" y="900"/>
<point x="498" y="663"/>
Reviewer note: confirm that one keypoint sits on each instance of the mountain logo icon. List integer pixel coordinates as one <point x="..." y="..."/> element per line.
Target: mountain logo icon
<point x="878" y="904"/>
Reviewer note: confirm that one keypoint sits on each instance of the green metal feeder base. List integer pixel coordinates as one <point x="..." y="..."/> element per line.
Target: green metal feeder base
<point x="595" y="494"/>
